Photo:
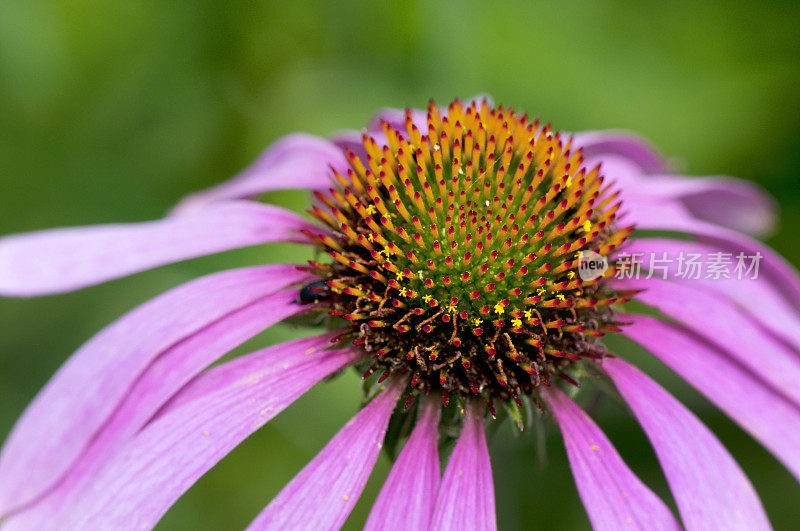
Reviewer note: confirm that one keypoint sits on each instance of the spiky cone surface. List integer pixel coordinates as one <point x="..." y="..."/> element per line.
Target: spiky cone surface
<point x="455" y="253"/>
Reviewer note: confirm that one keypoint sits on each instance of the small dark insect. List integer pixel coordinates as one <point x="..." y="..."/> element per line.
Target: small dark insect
<point x="313" y="292"/>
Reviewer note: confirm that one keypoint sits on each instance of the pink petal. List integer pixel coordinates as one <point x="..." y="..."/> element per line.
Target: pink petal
<point x="153" y="470"/>
<point x="710" y="489"/>
<point x="623" y="172"/>
<point x="407" y="498"/>
<point x="352" y="140"/>
<point x="466" y="494"/>
<point x="734" y="203"/>
<point x="760" y="300"/>
<point x="298" y="160"/>
<point x="322" y="495"/>
<point x="160" y="381"/>
<point x="766" y="414"/>
<point x="613" y="496"/>
<point x="349" y="139"/>
<point x="65" y="259"/>
<point x="397" y="119"/>
<point x="81" y="396"/>
<point x="775" y="269"/>
<point x="602" y="144"/>
<point x="719" y="322"/>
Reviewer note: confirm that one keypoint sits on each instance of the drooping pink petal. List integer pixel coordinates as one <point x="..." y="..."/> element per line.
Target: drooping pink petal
<point x="81" y="396"/>
<point x="352" y="140"/>
<point x="322" y="495"/>
<point x="613" y="496"/>
<point x="766" y="414"/>
<point x="759" y="299"/>
<point x="710" y="489"/>
<point x="349" y="139"/>
<point x="407" y="498"/>
<point x="298" y="160"/>
<point x="734" y="203"/>
<point x="397" y="119"/>
<point x="242" y="367"/>
<point x="160" y="381"/>
<point x="466" y="493"/>
<point x="154" y="469"/>
<point x="642" y="173"/>
<point x="65" y="259"/>
<point x="719" y="321"/>
<point x="598" y="145"/>
<point x="774" y="268"/>
<point x="624" y="173"/>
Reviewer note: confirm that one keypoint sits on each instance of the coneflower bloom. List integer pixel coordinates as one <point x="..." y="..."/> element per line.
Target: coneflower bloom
<point x="456" y="241"/>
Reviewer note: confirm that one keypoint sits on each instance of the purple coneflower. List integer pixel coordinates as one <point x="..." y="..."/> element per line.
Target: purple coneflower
<point x="456" y="241"/>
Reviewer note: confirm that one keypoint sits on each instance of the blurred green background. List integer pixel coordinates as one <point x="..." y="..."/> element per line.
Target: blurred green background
<point x="111" y="110"/>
